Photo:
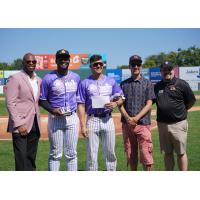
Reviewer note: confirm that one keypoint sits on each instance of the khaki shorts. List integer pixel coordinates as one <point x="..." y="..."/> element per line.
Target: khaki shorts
<point x="173" y="137"/>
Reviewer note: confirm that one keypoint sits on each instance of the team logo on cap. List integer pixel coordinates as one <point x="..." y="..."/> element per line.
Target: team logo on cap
<point x="63" y="51"/>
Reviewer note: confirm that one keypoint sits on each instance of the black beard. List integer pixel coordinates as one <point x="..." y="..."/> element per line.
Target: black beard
<point x="166" y="80"/>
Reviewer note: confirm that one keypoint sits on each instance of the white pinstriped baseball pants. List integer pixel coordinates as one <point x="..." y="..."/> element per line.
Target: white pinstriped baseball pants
<point x="101" y="129"/>
<point x="63" y="136"/>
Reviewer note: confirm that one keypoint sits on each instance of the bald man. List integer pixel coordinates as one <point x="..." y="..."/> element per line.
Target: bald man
<point x="22" y="95"/>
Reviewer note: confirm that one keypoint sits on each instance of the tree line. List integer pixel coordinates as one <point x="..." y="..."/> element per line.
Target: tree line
<point x="15" y="65"/>
<point x="180" y="58"/>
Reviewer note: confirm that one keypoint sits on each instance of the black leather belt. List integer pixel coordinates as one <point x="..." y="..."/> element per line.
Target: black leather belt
<point x="69" y="113"/>
<point x="100" y="115"/>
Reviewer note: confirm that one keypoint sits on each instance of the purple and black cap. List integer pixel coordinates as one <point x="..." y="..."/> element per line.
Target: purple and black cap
<point x="62" y="54"/>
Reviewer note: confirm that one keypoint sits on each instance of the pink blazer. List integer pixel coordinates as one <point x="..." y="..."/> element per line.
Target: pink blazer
<point x="20" y="101"/>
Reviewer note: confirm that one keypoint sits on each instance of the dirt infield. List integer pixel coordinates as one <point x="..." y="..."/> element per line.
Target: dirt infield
<point x="44" y="120"/>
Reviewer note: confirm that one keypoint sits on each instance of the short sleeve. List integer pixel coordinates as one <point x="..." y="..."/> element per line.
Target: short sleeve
<point x="44" y="90"/>
<point x="81" y="94"/>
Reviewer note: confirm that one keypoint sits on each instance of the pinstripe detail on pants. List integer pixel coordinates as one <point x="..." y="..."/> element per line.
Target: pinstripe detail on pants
<point x="103" y="130"/>
<point x="63" y="135"/>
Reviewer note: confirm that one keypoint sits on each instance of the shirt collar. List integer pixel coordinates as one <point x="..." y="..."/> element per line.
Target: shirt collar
<point x="102" y="78"/>
<point x="34" y="74"/>
<point x="61" y="76"/>
<point x="138" y="80"/>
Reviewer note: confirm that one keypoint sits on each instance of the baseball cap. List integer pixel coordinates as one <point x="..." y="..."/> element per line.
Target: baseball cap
<point x="166" y="65"/>
<point x="62" y="54"/>
<point x="135" y="58"/>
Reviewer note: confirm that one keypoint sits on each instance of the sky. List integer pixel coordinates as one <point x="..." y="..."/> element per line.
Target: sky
<point x="117" y="43"/>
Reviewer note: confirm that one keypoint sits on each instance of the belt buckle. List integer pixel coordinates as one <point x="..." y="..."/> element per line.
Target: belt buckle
<point x="67" y="113"/>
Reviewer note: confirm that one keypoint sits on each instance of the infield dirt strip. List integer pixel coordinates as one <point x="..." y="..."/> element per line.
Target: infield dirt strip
<point x="44" y="120"/>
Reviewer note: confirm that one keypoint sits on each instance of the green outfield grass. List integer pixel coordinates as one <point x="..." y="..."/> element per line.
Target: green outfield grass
<point x="7" y="159"/>
<point x="3" y="110"/>
<point x="197" y="92"/>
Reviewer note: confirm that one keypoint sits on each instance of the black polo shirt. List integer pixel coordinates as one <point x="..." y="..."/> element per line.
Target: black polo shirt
<point x="172" y="99"/>
<point x="136" y="93"/>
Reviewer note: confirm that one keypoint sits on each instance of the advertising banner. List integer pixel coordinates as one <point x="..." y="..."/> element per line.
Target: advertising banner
<point x="115" y="73"/>
<point x="194" y="85"/>
<point x="126" y="73"/>
<point x="191" y="75"/>
<point x="1" y="81"/>
<point x="77" y="61"/>
<point x="154" y="75"/>
<point x="11" y="72"/>
<point x="1" y="89"/>
<point x="176" y="72"/>
<point x="1" y="74"/>
<point x="145" y="73"/>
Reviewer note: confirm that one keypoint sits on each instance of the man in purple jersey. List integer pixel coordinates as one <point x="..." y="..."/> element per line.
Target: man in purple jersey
<point x="97" y="96"/>
<point x="59" y="98"/>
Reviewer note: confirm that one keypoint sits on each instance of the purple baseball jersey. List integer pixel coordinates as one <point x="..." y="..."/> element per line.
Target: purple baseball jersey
<point x="60" y="91"/>
<point x="89" y="87"/>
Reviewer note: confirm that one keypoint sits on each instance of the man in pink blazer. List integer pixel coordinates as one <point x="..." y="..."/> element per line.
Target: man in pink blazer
<point x="22" y="95"/>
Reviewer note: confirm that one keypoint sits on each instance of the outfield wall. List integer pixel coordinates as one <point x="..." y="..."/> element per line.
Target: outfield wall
<point x="189" y="74"/>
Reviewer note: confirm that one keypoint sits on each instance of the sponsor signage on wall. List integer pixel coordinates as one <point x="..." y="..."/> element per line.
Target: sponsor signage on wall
<point x="191" y="75"/>
<point x="1" y="74"/>
<point x="8" y="73"/>
<point x="195" y="85"/>
<point x="77" y="61"/>
<point x="176" y="72"/>
<point x="1" y="81"/>
<point x="115" y="73"/>
<point x="126" y="73"/>
<point x="1" y="89"/>
<point x="145" y="73"/>
<point x="155" y="75"/>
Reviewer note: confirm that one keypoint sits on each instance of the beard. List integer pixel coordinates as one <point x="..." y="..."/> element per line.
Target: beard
<point x="64" y="66"/>
<point x="166" y="80"/>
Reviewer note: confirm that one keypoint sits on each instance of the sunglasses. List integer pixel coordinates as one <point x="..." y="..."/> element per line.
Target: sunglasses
<point x="135" y="64"/>
<point x="31" y="61"/>
<point x="97" y="63"/>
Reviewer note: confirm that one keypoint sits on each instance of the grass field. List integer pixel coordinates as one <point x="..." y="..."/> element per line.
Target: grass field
<point x="3" y="110"/>
<point x="7" y="159"/>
